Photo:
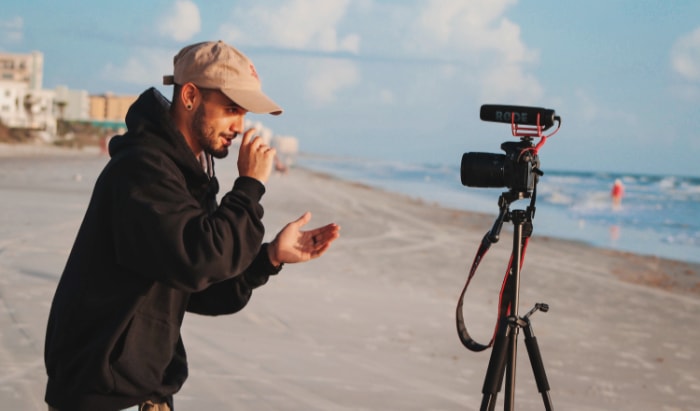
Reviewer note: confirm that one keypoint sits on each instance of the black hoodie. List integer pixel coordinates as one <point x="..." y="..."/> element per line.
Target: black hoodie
<point x="153" y="244"/>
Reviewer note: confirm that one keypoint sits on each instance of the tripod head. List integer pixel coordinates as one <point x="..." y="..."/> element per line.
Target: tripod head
<point x="504" y="214"/>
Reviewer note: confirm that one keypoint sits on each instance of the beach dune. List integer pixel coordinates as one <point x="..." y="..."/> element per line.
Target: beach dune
<point x="371" y="325"/>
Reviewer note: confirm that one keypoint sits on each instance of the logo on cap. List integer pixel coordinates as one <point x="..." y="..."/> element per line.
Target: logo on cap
<point x="253" y="72"/>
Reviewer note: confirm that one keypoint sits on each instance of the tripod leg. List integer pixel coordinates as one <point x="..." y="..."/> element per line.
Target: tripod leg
<point x="496" y="368"/>
<point x="509" y="398"/>
<point x="533" y="351"/>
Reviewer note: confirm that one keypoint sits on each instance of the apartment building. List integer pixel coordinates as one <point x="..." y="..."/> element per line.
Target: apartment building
<point x="25" y="104"/>
<point x="109" y="107"/>
<point x="72" y="105"/>
<point x="23" y="68"/>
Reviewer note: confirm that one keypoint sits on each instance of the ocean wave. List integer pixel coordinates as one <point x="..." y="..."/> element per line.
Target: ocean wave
<point x="662" y="210"/>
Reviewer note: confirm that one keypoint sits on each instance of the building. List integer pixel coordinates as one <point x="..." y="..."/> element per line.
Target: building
<point x="23" y="68"/>
<point x="72" y="105"/>
<point x="23" y="102"/>
<point x="22" y="107"/>
<point x="285" y="145"/>
<point x="108" y="107"/>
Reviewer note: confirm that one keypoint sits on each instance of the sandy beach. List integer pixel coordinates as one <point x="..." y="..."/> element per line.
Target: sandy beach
<point x="371" y="325"/>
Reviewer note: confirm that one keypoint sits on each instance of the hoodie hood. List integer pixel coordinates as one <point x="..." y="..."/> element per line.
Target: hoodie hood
<point x="150" y="126"/>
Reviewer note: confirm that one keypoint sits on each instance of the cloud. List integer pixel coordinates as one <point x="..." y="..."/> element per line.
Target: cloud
<point x="296" y="24"/>
<point x="473" y="37"/>
<point x="328" y="77"/>
<point x="11" y="30"/>
<point x="592" y="112"/>
<point x="477" y="33"/>
<point x="509" y="82"/>
<point x="475" y="25"/>
<point x="685" y="56"/>
<point x="305" y="25"/>
<point x="387" y="96"/>
<point x="144" y="68"/>
<point x="182" y="21"/>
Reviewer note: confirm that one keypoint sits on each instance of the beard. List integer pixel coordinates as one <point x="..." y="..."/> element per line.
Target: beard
<point x="206" y="135"/>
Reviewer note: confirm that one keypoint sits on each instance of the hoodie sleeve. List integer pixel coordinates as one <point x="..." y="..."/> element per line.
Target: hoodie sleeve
<point x="232" y="295"/>
<point x="162" y="232"/>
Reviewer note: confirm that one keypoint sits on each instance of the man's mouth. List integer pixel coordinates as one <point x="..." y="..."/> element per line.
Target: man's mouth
<point x="228" y="138"/>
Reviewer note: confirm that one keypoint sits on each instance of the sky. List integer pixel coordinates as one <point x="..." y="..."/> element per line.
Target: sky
<point x="404" y="80"/>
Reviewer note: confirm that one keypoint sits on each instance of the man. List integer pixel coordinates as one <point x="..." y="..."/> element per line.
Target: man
<point x="154" y="243"/>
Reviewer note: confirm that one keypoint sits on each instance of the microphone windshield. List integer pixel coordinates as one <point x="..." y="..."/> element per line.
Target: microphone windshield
<point x="518" y="114"/>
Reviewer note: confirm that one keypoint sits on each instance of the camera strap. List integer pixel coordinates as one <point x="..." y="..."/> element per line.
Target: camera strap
<point x="505" y="295"/>
<point x="462" y="331"/>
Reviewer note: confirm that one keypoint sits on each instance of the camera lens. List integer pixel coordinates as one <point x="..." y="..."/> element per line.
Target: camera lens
<point x="483" y="170"/>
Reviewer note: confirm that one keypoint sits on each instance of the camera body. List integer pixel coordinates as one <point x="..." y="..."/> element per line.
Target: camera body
<point x="517" y="169"/>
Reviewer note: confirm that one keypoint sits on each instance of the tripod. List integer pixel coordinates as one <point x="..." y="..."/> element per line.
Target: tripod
<point x="505" y="348"/>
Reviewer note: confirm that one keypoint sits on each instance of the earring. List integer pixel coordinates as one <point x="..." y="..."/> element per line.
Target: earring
<point x="188" y="107"/>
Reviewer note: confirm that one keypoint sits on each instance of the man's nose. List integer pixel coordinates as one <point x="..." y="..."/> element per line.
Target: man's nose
<point x="238" y="124"/>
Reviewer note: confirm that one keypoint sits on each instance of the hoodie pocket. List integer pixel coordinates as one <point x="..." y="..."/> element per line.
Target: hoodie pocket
<point x="142" y="355"/>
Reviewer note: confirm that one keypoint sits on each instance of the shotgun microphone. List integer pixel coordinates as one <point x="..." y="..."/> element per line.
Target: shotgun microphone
<point x="519" y="115"/>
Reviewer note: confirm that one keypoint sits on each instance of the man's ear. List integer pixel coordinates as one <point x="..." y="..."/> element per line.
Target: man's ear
<point x="189" y="94"/>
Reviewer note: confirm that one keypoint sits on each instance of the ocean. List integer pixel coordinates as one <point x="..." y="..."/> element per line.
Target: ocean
<point x="659" y="214"/>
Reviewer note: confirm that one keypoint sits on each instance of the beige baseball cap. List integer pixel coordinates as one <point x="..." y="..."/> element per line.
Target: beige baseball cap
<point x="217" y="65"/>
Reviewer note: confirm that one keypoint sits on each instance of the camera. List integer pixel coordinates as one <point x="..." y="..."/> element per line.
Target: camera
<point x="517" y="169"/>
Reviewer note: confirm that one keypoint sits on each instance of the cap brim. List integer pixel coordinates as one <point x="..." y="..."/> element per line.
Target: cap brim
<point x="254" y="101"/>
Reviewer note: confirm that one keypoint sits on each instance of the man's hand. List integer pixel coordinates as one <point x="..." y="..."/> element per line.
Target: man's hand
<point x="255" y="158"/>
<point x="291" y="245"/>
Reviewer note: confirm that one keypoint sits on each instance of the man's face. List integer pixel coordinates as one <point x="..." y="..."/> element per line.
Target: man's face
<point x="217" y="121"/>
